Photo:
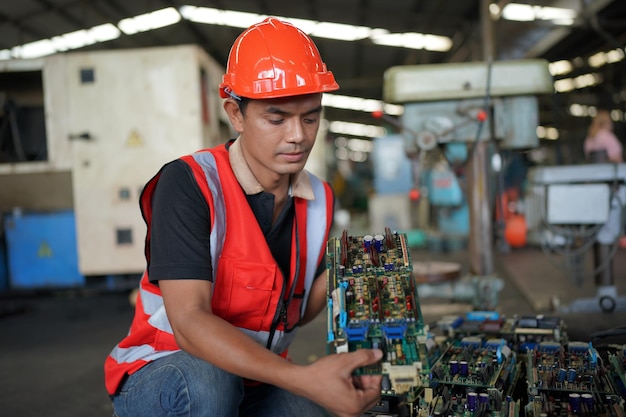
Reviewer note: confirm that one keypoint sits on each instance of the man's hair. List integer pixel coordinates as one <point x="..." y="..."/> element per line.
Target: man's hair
<point x="243" y="104"/>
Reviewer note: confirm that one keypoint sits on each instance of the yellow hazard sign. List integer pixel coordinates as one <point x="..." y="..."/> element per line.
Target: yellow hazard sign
<point x="45" y="251"/>
<point x="134" y="139"/>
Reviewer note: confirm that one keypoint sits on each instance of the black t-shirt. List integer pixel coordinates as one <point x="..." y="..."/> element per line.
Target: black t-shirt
<point x="179" y="240"/>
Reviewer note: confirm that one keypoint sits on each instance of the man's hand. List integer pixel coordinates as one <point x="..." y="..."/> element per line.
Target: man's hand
<point x="330" y="383"/>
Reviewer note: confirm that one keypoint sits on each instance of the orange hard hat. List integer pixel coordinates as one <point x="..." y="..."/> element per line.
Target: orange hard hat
<point x="275" y="59"/>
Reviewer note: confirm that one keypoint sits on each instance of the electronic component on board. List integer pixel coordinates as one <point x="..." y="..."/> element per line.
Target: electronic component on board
<point x="373" y="303"/>
<point x="481" y="363"/>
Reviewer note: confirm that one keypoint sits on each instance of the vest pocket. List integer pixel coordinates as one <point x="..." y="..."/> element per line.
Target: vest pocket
<point x="243" y="293"/>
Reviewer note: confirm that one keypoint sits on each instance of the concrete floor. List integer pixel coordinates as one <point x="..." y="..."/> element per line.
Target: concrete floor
<point x="53" y="345"/>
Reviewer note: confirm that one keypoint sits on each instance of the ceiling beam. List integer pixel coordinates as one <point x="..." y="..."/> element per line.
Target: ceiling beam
<point x="61" y="11"/>
<point x="36" y="34"/>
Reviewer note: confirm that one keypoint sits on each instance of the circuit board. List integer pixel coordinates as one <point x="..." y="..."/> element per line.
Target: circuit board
<point x="566" y="379"/>
<point x="477" y="363"/>
<point x="480" y="364"/>
<point x="372" y="303"/>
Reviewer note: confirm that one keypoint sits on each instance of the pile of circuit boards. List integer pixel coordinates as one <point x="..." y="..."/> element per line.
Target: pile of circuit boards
<point x="476" y="364"/>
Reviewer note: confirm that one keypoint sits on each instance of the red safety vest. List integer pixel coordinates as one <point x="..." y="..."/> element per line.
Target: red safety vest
<point x="248" y="288"/>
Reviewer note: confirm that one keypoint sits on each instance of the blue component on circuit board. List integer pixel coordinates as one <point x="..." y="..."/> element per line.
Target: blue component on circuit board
<point x="357" y="332"/>
<point x="482" y="315"/>
<point x="395" y="330"/>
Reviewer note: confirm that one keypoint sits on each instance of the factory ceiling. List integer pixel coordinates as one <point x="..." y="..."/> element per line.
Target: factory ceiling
<point x="597" y="26"/>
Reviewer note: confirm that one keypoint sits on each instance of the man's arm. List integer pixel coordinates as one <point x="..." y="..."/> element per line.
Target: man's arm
<point x="198" y="331"/>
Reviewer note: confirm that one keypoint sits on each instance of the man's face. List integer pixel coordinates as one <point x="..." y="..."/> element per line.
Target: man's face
<point x="277" y="134"/>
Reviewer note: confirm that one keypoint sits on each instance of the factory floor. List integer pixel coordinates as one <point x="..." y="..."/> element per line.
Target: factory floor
<point x="53" y="344"/>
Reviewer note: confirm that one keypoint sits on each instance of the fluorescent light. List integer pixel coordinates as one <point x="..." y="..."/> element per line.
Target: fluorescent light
<point x="67" y="41"/>
<point x="518" y="12"/>
<point x="560" y="67"/>
<point x="602" y="58"/>
<point x="579" y="110"/>
<point x="340" y="31"/>
<point x="104" y="32"/>
<point x="80" y="38"/>
<point x="357" y="129"/>
<point x="202" y="15"/>
<point x="550" y="133"/>
<point x="528" y="13"/>
<point x="169" y="16"/>
<point x="414" y="40"/>
<point x="564" y="85"/>
<point x="210" y="16"/>
<point x="318" y="29"/>
<point x="360" y="104"/>
<point x="34" y="49"/>
<point x="149" y="21"/>
<point x="615" y="55"/>
<point x="597" y="60"/>
<point x="582" y="81"/>
<point x="356" y="150"/>
<point x="494" y="9"/>
<point x="360" y="145"/>
<point x="586" y="80"/>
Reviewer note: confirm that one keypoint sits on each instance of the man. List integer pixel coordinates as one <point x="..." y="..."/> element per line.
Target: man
<point x="235" y="249"/>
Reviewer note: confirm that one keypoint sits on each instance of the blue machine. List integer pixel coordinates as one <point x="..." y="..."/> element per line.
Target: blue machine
<point x="42" y="251"/>
<point x="445" y="194"/>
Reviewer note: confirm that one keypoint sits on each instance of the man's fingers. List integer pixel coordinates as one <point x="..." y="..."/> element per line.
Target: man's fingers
<point x="363" y="357"/>
<point x="370" y="389"/>
<point x="370" y="382"/>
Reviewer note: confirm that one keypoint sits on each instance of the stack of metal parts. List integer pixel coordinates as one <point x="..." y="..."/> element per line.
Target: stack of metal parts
<point x="476" y="364"/>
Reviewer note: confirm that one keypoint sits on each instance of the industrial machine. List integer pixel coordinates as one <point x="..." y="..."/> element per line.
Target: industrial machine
<point x="82" y="133"/>
<point x="575" y="211"/>
<point x="476" y="364"/>
<point x="476" y="105"/>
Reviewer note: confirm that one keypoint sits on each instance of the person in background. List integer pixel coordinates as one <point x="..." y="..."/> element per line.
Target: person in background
<point x="235" y="251"/>
<point x="601" y="144"/>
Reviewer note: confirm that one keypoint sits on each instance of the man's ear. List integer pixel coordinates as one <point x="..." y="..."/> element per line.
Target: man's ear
<point x="234" y="114"/>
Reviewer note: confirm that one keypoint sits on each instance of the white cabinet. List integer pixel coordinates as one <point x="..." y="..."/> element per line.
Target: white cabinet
<point x="112" y="119"/>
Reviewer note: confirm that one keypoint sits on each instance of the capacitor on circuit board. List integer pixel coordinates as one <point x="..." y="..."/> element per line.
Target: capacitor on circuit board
<point x="571" y="375"/>
<point x="574" y="402"/>
<point x="379" y="243"/>
<point x="367" y="242"/>
<point x="349" y="297"/>
<point x="454" y="367"/>
<point x="472" y="398"/>
<point x="483" y="399"/>
<point x="463" y="368"/>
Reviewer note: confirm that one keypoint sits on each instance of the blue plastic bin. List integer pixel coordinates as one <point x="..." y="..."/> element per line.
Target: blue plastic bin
<point x="42" y="250"/>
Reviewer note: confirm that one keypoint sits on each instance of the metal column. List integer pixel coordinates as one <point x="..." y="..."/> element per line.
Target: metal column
<point x="481" y="234"/>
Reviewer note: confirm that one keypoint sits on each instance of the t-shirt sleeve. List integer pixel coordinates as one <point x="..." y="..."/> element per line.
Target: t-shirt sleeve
<point x="180" y="229"/>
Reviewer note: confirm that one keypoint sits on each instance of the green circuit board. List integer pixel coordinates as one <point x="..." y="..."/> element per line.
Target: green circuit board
<point x="373" y="303"/>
